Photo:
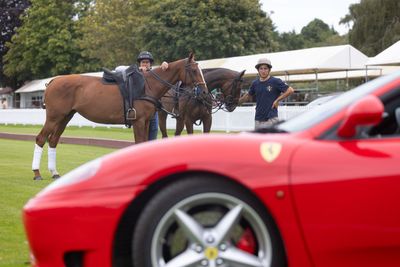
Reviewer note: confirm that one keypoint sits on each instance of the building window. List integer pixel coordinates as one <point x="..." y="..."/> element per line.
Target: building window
<point x="36" y="101"/>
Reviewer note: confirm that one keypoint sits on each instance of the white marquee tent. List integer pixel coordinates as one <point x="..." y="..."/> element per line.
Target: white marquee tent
<point x="389" y="56"/>
<point x="372" y="71"/>
<point x="303" y="61"/>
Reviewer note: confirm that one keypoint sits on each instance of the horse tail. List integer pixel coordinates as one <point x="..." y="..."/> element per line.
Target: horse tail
<point x="47" y="85"/>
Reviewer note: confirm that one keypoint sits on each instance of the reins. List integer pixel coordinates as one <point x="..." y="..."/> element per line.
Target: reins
<point x="175" y="88"/>
<point x="227" y="100"/>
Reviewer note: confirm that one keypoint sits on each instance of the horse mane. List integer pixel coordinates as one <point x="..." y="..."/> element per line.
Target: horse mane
<point x="215" y="74"/>
<point x="207" y="70"/>
<point x="172" y="63"/>
<point x="158" y="70"/>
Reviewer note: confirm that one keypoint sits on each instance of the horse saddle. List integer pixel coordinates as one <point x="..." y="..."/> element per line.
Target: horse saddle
<point x="131" y="85"/>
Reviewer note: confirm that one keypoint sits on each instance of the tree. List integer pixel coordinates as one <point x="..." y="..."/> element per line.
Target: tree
<point x="315" y="33"/>
<point x="318" y="33"/>
<point x="44" y="45"/>
<point x="10" y="11"/>
<point x="212" y="29"/>
<point x="376" y="25"/>
<point x="109" y="32"/>
<point x="291" y="41"/>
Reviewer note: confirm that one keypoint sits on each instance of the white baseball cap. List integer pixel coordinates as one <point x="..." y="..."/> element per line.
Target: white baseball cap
<point x="264" y="61"/>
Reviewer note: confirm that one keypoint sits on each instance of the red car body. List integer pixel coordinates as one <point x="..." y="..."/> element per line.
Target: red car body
<point x="332" y="192"/>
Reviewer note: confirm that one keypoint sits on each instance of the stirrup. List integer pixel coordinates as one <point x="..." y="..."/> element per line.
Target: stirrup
<point x="128" y="117"/>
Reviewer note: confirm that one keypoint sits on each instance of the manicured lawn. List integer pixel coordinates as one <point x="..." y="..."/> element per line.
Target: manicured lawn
<point x="74" y="131"/>
<point x="17" y="186"/>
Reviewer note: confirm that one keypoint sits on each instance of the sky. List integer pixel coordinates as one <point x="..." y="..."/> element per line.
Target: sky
<point x="288" y="15"/>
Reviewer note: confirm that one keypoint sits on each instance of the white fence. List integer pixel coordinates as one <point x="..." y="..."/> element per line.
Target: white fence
<point x="242" y="119"/>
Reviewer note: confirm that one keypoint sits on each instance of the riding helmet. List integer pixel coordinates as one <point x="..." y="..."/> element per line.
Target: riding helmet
<point x="145" y="55"/>
<point x="264" y="61"/>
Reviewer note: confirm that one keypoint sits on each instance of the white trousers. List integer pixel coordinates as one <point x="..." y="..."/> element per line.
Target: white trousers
<point x="264" y="124"/>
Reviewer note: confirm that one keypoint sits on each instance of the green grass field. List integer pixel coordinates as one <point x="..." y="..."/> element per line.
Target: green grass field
<point x="74" y="131"/>
<point x="17" y="186"/>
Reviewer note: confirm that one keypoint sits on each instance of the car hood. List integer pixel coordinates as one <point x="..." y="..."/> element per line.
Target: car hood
<point x="244" y="157"/>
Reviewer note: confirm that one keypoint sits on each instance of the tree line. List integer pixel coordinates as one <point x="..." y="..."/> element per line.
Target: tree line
<point x="44" y="38"/>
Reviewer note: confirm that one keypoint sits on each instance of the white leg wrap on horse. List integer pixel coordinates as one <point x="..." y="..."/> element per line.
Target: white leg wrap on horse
<point x="52" y="160"/>
<point x="37" y="155"/>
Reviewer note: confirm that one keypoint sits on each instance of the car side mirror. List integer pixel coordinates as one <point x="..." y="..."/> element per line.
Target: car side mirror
<point x="366" y="111"/>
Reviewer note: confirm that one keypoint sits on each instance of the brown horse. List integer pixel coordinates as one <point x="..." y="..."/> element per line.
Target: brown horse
<point x="191" y="109"/>
<point x="101" y="103"/>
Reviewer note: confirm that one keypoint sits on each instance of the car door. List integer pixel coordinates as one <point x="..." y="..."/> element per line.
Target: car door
<point x="347" y="195"/>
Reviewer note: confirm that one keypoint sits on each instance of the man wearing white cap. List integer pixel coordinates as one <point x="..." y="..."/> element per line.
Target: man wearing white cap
<point x="267" y="91"/>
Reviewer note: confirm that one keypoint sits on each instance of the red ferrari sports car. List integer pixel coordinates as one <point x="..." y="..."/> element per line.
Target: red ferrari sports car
<point x="321" y="189"/>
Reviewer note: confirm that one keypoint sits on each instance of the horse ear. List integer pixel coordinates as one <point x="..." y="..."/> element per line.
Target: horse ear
<point x="242" y="73"/>
<point x="191" y="57"/>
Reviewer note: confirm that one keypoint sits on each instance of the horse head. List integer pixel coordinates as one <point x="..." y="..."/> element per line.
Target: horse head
<point x="193" y="76"/>
<point x="231" y="91"/>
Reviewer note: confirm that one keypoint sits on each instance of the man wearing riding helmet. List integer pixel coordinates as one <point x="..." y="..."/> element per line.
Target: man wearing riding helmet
<point x="267" y="91"/>
<point x="145" y="61"/>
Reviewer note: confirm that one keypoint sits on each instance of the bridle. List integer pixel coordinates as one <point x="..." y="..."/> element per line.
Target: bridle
<point x="176" y="88"/>
<point x="188" y="70"/>
<point x="196" y="85"/>
<point x="221" y="101"/>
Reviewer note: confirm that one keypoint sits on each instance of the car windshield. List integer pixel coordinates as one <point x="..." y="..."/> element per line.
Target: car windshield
<point x="319" y="113"/>
<point x="322" y="100"/>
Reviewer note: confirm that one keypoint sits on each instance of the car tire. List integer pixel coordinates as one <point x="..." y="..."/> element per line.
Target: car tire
<point x="205" y="221"/>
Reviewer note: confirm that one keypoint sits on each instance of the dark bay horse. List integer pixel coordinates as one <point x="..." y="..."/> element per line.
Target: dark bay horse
<point x="192" y="109"/>
<point x="101" y="103"/>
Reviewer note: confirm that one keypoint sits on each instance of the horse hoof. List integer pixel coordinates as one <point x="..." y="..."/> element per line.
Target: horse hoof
<point x="56" y="176"/>
<point x="37" y="178"/>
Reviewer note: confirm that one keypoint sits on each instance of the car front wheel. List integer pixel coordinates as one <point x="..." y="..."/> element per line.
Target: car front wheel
<point x="205" y="221"/>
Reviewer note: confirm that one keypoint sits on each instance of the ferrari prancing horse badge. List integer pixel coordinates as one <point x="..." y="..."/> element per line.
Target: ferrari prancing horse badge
<point x="270" y="151"/>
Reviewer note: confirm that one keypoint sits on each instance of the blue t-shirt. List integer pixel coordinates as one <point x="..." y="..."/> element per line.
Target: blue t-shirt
<point x="265" y="94"/>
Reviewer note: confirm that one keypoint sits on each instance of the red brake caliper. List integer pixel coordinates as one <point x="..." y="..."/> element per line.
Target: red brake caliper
<point x="247" y="242"/>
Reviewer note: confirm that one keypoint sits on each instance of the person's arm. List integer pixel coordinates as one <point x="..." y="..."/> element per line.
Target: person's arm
<point x="245" y="98"/>
<point x="287" y="93"/>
